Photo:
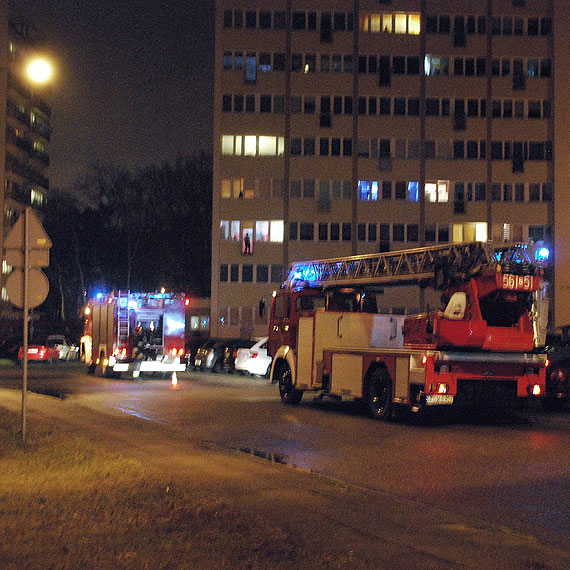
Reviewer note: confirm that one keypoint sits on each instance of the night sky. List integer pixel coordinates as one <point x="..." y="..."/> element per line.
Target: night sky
<point x="134" y="80"/>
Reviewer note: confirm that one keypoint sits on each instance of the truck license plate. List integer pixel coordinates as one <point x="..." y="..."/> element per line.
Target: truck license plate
<point x="439" y="400"/>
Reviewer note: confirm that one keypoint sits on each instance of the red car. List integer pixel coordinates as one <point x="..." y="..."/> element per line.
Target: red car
<point x="40" y="352"/>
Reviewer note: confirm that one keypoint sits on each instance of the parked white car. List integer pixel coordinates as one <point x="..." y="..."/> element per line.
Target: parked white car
<point x="66" y="351"/>
<point x="254" y="360"/>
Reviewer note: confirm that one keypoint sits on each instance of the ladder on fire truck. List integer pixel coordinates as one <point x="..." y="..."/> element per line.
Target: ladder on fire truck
<point x="438" y="265"/>
<point x="123" y="323"/>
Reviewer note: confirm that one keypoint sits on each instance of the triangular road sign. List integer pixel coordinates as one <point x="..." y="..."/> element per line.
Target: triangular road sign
<point x="37" y="236"/>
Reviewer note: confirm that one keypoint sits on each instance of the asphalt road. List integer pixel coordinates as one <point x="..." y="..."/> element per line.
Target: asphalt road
<point x="514" y="474"/>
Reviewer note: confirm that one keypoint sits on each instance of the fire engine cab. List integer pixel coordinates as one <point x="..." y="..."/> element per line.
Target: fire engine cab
<point x="480" y="349"/>
<point x="134" y="333"/>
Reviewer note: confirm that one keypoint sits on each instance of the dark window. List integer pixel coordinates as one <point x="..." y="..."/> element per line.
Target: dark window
<point x="339" y="21"/>
<point x="279" y="61"/>
<point x="278" y="20"/>
<point x="262" y="273"/>
<point x="458" y="66"/>
<point x="312" y="21"/>
<point x="481" y="66"/>
<point x="413" y="64"/>
<point x="398" y="232"/>
<point x="547" y="194"/>
<point x="532" y="28"/>
<point x="362" y="105"/>
<point x="443" y="234"/>
<point x="238" y="19"/>
<point x="519" y="192"/>
<point x="226" y="103"/>
<point x="361" y="64"/>
<point x="386" y="190"/>
<point x="309" y="146"/>
<point x="293" y="231"/>
<point x="323" y="231"/>
<point x="496" y="150"/>
<point x="337" y="105"/>
<point x="346" y="231"/>
<point x="384" y="232"/>
<point x="400" y="192"/>
<point x="296" y="146"/>
<point x="412" y="232"/>
<point x="250" y="104"/>
<point x="238" y="103"/>
<point x="307" y="232"/>
<point x="458" y="149"/>
<point x="372" y="104"/>
<point x="507" y="192"/>
<point x="276" y="273"/>
<point x="534" y="192"/>
<point x="385" y="106"/>
<point x="472" y="107"/>
<point x="535" y="151"/>
<point x="296" y="62"/>
<point x="224" y="272"/>
<point x="298" y="20"/>
<point x="399" y="106"/>
<point x="545" y="68"/>
<point x="472" y="149"/>
<point x="348" y="105"/>
<point x="372" y="232"/>
<point x="324" y="146"/>
<point x="265" y="20"/>
<point x="413" y="106"/>
<point x="265" y="103"/>
<point x="228" y="20"/>
<point x="247" y="273"/>
<point x="234" y="272"/>
<point x="347" y="147"/>
<point x="431" y="24"/>
<point x="335" y="231"/>
<point x="496" y="192"/>
<point x="444" y="24"/>
<point x="545" y="26"/>
<point x="470" y="66"/>
<point x="335" y="147"/>
<point x="399" y="64"/>
<point x="250" y="19"/>
<point x="361" y="232"/>
<point x="432" y="107"/>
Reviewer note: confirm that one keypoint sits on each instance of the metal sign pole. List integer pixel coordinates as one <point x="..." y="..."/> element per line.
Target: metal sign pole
<point x="25" y="318"/>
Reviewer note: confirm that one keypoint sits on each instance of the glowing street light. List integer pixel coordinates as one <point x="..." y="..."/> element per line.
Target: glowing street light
<point x="39" y="70"/>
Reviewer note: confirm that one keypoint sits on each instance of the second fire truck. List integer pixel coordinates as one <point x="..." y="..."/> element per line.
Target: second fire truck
<point x="479" y="350"/>
<point x="134" y="333"/>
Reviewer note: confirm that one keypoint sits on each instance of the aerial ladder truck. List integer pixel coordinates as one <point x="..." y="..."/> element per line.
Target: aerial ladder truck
<point x="480" y="350"/>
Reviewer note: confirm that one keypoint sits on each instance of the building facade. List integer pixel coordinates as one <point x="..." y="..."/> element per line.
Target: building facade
<point x="24" y="128"/>
<point x="360" y="126"/>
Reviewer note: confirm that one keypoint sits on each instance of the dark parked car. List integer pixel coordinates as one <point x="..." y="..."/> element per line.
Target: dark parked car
<point x="558" y="371"/>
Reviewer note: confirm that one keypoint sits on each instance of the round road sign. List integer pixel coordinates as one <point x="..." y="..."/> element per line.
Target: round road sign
<point x="38" y="288"/>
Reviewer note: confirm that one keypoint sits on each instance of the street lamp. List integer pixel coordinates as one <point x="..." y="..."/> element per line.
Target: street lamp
<point x="39" y="70"/>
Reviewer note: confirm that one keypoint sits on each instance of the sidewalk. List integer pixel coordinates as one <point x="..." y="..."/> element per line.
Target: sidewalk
<point x="355" y="526"/>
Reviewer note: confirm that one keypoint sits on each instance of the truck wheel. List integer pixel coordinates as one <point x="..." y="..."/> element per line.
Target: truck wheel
<point x="379" y="395"/>
<point x="91" y="368"/>
<point x="289" y="395"/>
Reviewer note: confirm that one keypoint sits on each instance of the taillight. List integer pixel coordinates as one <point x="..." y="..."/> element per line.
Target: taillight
<point x="173" y="351"/>
<point x="536" y="390"/>
<point x="180" y="352"/>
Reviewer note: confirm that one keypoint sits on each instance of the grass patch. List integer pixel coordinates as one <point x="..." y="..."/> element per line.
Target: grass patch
<point x="68" y="503"/>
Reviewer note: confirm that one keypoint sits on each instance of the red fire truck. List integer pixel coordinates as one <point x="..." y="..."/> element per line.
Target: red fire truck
<point x="134" y="333"/>
<point x="480" y="350"/>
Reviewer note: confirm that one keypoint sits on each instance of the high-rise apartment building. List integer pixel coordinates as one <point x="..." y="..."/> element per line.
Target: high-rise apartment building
<point x="24" y="127"/>
<point x="359" y="126"/>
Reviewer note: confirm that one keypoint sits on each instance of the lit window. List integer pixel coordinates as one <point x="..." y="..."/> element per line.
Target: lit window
<point x="387" y="23"/>
<point x="238" y="150"/>
<point x="276" y="231"/>
<point x="262" y="231"/>
<point x="226" y="188"/>
<point x="414" y="24"/>
<point x="250" y="145"/>
<point x="237" y="188"/>
<point x="400" y="24"/>
<point x="375" y="21"/>
<point x="227" y="144"/>
<point x="267" y="146"/>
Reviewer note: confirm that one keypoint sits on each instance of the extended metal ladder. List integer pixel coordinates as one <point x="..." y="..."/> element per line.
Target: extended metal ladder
<point x="123" y="324"/>
<point x="405" y="266"/>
